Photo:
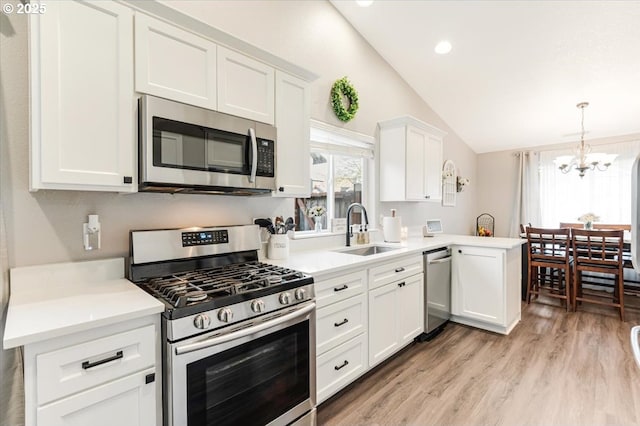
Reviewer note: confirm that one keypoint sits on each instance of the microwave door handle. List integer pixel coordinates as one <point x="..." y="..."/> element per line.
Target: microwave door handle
<point x="254" y="154"/>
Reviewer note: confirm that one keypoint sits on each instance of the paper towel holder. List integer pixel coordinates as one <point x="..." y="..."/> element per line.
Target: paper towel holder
<point x="433" y="226"/>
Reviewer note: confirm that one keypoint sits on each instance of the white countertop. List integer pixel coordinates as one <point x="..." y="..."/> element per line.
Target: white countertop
<point x="53" y="300"/>
<point x="328" y="261"/>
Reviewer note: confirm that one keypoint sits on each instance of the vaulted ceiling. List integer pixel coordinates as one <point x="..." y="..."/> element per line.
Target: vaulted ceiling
<point x="517" y="69"/>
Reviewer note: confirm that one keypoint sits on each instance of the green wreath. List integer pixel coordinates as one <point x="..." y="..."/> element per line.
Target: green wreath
<point x="342" y="88"/>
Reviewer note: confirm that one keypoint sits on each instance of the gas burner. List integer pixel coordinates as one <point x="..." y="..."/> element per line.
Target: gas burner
<point x="196" y="296"/>
<point x="274" y="279"/>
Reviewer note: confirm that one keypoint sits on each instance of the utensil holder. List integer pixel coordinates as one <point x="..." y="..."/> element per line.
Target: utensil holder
<point x="278" y="246"/>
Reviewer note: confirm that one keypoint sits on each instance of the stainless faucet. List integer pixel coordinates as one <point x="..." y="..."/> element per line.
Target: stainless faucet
<point x="366" y="220"/>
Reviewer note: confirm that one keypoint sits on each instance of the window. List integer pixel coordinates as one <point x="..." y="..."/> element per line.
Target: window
<point x="565" y="197"/>
<point x="340" y="165"/>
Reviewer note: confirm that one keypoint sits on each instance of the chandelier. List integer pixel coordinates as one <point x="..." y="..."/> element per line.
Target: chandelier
<point x="584" y="160"/>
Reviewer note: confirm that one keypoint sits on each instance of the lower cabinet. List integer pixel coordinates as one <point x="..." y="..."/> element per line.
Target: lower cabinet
<point x="485" y="287"/>
<point x="107" y="376"/>
<point x="127" y="401"/>
<point x="396" y="316"/>
<point x="340" y="366"/>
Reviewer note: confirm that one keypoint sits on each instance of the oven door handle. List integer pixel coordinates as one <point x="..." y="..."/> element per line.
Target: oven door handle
<point x="217" y="340"/>
<point x="254" y="155"/>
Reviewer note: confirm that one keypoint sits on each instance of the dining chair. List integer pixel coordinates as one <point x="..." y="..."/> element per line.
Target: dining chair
<point x="601" y="252"/>
<point x="549" y="263"/>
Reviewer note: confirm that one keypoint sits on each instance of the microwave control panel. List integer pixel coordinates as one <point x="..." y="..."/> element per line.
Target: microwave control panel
<point x="266" y="158"/>
<point x="199" y="238"/>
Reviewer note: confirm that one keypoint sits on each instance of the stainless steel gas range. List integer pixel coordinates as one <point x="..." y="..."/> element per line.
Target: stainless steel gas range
<point x="238" y="335"/>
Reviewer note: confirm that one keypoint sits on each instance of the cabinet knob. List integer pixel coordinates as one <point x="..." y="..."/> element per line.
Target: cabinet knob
<point x="281" y="189"/>
<point x="427" y="196"/>
<point x="459" y="251"/>
<point x="127" y="179"/>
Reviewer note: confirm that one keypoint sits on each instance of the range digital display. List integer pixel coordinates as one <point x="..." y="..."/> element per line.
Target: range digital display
<point x="200" y="238"/>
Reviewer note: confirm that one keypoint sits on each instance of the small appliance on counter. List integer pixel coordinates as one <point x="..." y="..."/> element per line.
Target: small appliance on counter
<point x="392" y="227"/>
<point x="433" y="227"/>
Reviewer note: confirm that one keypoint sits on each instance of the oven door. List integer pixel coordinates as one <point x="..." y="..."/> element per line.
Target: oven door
<point x="259" y="372"/>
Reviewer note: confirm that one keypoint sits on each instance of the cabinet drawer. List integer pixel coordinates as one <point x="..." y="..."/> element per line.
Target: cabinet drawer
<point x="75" y="368"/>
<point x="340" y="288"/>
<point x="340" y="322"/>
<point x="393" y="271"/>
<point x="341" y="366"/>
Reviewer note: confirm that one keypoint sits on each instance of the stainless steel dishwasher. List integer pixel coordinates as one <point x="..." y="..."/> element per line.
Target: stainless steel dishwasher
<point x="437" y="291"/>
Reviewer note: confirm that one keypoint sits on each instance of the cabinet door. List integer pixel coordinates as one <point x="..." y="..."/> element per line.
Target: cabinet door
<point x="128" y="401"/>
<point x="410" y="308"/>
<point x="246" y="87"/>
<point x="82" y="105"/>
<point x="415" y="163"/>
<point x="174" y="64"/>
<point x="433" y="169"/>
<point x="383" y="328"/>
<point x="478" y="285"/>
<point x="293" y="106"/>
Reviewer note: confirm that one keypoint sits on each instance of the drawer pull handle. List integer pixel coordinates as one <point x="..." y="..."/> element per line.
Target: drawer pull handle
<point x="402" y="284"/>
<point x="87" y="365"/>
<point x="344" y="364"/>
<point x="400" y="269"/>
<point x="344" y="287"/>
<point x="338" y="324"/>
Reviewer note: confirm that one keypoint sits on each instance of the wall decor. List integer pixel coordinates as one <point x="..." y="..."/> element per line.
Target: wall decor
<point x="342" y="88"/>
<point x="449" y="184"/>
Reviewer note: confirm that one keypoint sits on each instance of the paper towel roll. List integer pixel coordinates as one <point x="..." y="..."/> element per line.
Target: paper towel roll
<point x="391" y="229"/>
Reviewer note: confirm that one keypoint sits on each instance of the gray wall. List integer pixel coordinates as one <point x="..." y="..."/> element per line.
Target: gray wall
<point x="46" y="226"/>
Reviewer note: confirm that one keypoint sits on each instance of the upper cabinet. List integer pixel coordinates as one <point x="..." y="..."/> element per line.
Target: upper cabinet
<point x="173" y="63"/>
<point x="82" y="104"/>
<point x="412" y="165"/>
<point x="246" y="87"/>
<point x="293" y="106"/>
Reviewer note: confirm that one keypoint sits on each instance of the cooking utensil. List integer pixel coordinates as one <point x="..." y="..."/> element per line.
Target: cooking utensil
<point x="265" y="223"/>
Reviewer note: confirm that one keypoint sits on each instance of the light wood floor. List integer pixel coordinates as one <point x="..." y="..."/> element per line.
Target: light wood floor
<point x="555" y="368"/>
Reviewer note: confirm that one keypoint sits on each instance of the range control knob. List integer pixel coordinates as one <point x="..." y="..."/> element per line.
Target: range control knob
<point x="202" y="321"/>
<point x="300" y="293"/>
<point x="257" y="306"/>
<point x="225" y="315"/>
<point x="285" y="298"/>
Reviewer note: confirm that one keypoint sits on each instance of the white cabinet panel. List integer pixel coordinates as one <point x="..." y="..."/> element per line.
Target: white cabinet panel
<point x="340" y="322"/>
<point x="479" y="284"/>
<point x="341" y="366"/>
<point x="246" y="87"/>
<point x="174" y="64"/>
<point x="128" y="401"/>
<point x="61" y="372"/>
<point x="293" y="109"/>
<point x="82" y="105"/>
<point x="411" y="309"/>
<point x="395" y="270"/>
<point x="411" y="158"/>
<point x="332" y="290"/>
<point x="383" y="327"/>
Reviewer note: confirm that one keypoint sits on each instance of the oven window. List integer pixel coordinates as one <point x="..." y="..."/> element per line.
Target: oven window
<point x="253" y="383"/>
<point x="189" y="146"/>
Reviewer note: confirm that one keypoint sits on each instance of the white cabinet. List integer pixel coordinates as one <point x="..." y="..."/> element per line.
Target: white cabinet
<point x="246" y="87"/>
<point x="173" y="63"/>
<point x="396" y="307"/>
<point x="341" y="331"/>
<point x="485" y="287"/>
<point x="293" y="109"/>
<point x="82" y="106"/>
<point x="410" y="161"/>
<point x="105" y="376"/>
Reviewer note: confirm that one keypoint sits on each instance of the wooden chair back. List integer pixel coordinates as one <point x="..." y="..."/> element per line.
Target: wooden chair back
<point x="548" y="247"/>
<point x="606" y="226"/>
<point x="597" y="250"/>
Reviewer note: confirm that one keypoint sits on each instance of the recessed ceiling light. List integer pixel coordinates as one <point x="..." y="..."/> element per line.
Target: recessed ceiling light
<point x="364" y="3"/>
<point x="443" y="47"/>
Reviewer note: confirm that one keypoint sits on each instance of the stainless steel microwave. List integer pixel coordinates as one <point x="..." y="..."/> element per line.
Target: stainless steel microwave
<point x="184" y="148"/>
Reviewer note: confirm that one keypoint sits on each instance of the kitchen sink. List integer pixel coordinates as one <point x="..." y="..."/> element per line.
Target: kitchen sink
<point x="367" y="251"/>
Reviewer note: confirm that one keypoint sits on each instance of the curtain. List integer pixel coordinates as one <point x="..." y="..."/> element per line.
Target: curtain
<point x="565" y="197"/>
<point x="526" y="208"/>
<point x="11" y="371"/>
